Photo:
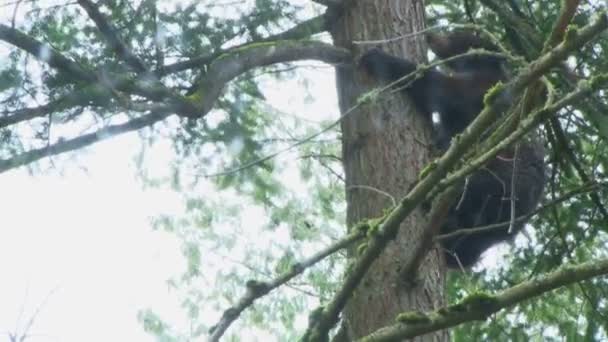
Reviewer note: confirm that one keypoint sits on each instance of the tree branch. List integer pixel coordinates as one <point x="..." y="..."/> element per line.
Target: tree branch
<point x="85" y="140"/>
<point x="585" y="188"/>
<point x="437" y="219"/>
<point x="479" y="307"/>
<point x="155" y="90"/>
<point x="532" y="121"/>
<point x="112" y="36"/>
<point x="302" y="30"/>
<point x="496" y="101"/>
<point x="45" y="53"/>
<point x="257" y="289"/>
<point x="238" y="61"/>
<point x="567" y="12"/>
<point x="76" y="98"/>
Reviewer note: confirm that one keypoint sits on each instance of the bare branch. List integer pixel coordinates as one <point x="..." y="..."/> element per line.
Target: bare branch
<point x="154" y="90"/>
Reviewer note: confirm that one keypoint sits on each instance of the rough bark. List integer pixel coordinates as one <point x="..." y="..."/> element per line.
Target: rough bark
<point x="385" y="145"/>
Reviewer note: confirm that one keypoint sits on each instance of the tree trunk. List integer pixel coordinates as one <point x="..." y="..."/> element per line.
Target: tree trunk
<point x="385" y="145"/>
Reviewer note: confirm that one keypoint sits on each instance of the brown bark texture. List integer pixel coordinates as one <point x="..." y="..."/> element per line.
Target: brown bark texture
<point x="385" y="145"/>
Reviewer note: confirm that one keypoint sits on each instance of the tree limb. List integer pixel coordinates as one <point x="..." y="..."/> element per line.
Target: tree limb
<point x="258" y="289"/>
<point x="585" y="188"/>
<point x="532" y="121"/>
<point x="112" y="36"/>
<point x="85" y="140"/>
<point x="45" y="53"/>
<point x="326" y="317"/>
<point x="479" y="307"/>
<point x="302" y="30"/>
<point x="238" y="61"/>
<point x="76" y="98"/>
<point x="567" y="12"/>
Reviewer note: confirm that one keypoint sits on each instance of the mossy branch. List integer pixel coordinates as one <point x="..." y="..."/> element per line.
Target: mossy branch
<point x="496" y="103"/>
<point x="257" y="289"/>
<point x="238" y="61"/>
<point x="479" y="307"/>
<point x="302" y="30"/>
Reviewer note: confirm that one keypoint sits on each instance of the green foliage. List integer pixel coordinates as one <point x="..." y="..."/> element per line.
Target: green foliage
<point x="569" y="232"/>
<point x="249" y="216"/>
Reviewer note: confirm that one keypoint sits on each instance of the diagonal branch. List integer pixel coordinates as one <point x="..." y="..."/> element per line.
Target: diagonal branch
<point x="479" y="307"/>
<point x="302" y="30"/>
<point x="228" y="66"/>
<point x="463" y="231"/>
<point x="532" y="121"/>
<point x="112" y="36"/>
<point x="258" y="289"/>
<point x="154" y="90"/>
<point x="496" y="102"/>
<point x="567" y="12"/>
<point x="63" y="146"/>
<point x="74" y="99"/>
<point x="45" y="53"/>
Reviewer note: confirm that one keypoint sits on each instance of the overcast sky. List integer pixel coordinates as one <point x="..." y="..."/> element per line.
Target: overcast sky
<point x="84" y="241"/>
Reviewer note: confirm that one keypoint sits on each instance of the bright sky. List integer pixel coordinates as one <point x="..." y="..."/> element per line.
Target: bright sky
<point x="87" y="237"/>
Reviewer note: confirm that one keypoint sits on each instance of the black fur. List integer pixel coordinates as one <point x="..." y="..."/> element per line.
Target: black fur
<point x="457" y="97"/>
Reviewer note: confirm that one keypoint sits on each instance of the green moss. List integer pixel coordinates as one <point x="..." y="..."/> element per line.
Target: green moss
<point x="427" y="169"/>
<point x="362" y="227"/>
<point x="369" y="97"/>
<point x="571" y="33"/>
<point x="361" y="248"/>
<point x="596" y="82"/>
<point x="476" y="301"/>
<point x="413" y="317"/>
<point x="374" y="225"/>
<point x="196" y="97"/>
<point x="493" y="93"/>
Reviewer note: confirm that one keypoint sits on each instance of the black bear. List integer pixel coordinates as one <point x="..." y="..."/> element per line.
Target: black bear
<point x="456" y="96"/>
